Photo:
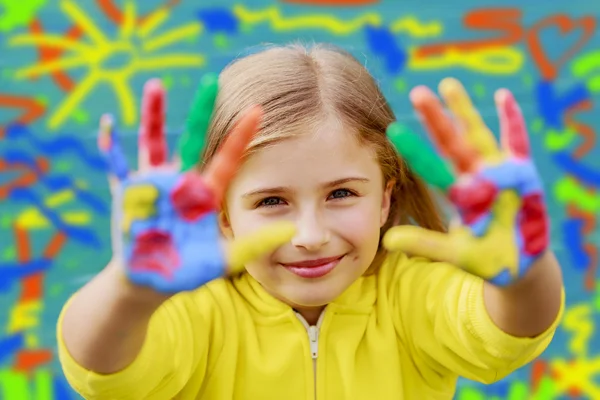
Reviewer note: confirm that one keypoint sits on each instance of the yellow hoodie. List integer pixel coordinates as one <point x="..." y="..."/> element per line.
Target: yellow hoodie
<point x="407" y="331"/>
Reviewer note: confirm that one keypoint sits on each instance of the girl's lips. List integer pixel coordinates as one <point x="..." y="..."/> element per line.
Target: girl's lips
<point x="313" y="268"/>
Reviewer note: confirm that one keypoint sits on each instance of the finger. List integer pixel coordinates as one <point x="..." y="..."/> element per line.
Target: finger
<point x="152" y="143"/>
<point x="420" y="157"/>
<point x="192" y="141"/>
<point x="441" y="130"/>
<point x="110" y="148"/>
<point x="225" y="163"/>
<point x="421" y="242"/>
<point x="476" y="132"/>
<point x="263" y="241"/>
<point x="513" y="130"/>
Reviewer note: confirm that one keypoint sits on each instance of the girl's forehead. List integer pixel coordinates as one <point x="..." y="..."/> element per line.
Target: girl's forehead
<point x="323" y="155"/>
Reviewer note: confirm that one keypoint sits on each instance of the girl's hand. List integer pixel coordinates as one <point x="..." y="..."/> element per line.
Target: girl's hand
<point x="165" y="229"/>
<point x="496" y="190"/>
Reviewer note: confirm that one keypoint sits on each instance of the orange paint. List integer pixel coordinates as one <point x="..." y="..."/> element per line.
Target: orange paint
<point x="548" y="68"/>
<point x="115" y="14"/>
<point x="586" y="132"/>
<point x="29" y="360"/>
<point x="27" y="178"/>
<point x="589" y="226"/>
<point x="47" y="54"/>
<point x="32" y="110"/>
<point x="507" y="21"/>
<point x="539" y="368"/>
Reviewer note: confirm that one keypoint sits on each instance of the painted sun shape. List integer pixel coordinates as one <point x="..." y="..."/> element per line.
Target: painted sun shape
<point x="134" y="43"/>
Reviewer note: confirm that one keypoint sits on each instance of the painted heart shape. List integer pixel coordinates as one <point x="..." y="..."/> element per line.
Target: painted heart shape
<point x="548" y="67"/>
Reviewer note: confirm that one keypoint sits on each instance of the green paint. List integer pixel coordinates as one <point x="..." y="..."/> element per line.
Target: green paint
<point x="9" y="253"/>
<point x="55" y="290"/>
<point x="167" y="81"/>
<point x="537" y="125"/>
<point x="556" y="140"/>
<point x="546" y="389"/>
<point x="16" y="14"/>
<point x="479" y="90"/>
<point x="221" y="41"/>
<point x="518" y="391"/>
<point x="80" y="116"/>
<point x="6" y="221"/>
<point x="470" y="393"/>
<point x="191" y="143"/>
<point x="567" y="190"/>
<point x="527" y="80"/>
<point x="420" y="156"/>
<point x="16" y="385"/>
<point x="400" y="85"/>
<point x="62" y="166"/>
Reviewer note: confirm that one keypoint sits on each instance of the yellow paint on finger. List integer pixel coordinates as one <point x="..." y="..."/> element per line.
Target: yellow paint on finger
<point x="263" y="241"/>
<point x="139" y="203"/>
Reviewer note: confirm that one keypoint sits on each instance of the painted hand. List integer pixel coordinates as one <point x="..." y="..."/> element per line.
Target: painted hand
<point x="165" y="227"/>
<point x="497" y="191"/>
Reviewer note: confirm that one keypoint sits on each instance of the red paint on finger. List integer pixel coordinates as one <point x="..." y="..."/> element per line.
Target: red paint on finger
<point x="155" y="251"/>
<point x="474" y="199"/>
<point x="534" y="224"/>
<point x="514" y="135"/>
<point x="152" y="125"/>
<point x="192" y="198"/>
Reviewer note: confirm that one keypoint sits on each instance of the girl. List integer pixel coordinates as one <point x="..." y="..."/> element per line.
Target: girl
<point x="350" y="289"/>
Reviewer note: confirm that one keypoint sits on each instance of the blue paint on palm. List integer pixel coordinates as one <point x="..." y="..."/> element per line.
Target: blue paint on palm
<point x="200" y="258"/>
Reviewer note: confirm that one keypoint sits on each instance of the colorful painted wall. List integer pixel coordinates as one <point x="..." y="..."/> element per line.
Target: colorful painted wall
<point x="65" y="62"/>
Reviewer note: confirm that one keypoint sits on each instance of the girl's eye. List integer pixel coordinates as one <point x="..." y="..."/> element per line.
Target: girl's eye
<point x="270" y="202"/>
<point x="340" y="194"/>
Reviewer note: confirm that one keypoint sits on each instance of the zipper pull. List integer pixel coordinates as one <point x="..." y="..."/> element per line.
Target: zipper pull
<point x="313" y="335"/>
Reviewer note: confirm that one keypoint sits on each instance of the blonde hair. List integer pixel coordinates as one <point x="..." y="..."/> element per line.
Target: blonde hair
<point x="298" y="87"/>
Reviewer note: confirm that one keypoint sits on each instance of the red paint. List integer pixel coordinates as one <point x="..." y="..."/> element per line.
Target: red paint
<point x="473" y="199"/>
<point x="589" y="226"/>
<point x="154" y="251"/>
<point x="534" y="224"/>
<point x="192" y="198"/>
<point x="28" y="176"/>
<point x="152" y="135"/>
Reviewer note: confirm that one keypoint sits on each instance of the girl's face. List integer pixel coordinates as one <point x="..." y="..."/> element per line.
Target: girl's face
<point x="332" y="188"/>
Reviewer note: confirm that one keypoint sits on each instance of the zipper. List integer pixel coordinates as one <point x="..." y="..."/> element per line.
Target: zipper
<point x="313" y="340"/>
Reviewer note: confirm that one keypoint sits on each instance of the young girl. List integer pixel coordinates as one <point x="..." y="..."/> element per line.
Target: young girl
<point x="350" y="287"/>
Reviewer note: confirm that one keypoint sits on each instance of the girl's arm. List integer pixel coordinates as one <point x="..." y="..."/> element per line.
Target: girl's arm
<point x="104" y="325"/>
<point x="529" y="306"/>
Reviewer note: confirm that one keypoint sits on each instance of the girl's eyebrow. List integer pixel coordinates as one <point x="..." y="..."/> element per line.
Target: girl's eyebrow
<point x="280" y="189"/>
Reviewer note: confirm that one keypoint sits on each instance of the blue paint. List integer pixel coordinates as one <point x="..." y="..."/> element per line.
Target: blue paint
<point x="573" y="239"/>
<point x="552" y="106"/>
<point x="82" y="235"/>
<point x="382" y="42"/>
<point x="9" y="345"/>
<point x="571" y="166"/>
<point x="219" y="20"/>
<point x="58" y="146"/>
<point x="62" y="390"/>
<point x="13" y="272"/>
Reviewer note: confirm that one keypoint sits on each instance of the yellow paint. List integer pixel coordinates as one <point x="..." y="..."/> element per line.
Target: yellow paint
<point x="493" y="60"/>
<point x="33" y="219"/>
<point x="582" y="371"/>
<point x="31" y="340"/>
<point x="59" y="198"/>
<point x="461" y="248"/>
<point x="139" y="203"/>
<point x="329" y="23"/>
<point x="93" y="57"/>
<point x="415" y="28"/>
<point x="264" y="241"/>
<point x="24" y="316"/>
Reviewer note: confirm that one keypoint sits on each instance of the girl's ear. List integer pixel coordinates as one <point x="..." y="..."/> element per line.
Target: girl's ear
<point x="386" y="201"/>
<point x="224" y="225"/>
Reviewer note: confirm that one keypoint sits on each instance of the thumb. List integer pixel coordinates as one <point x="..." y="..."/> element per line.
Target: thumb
<point x="263" y="241"/>
<point x="421" y="242"/>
